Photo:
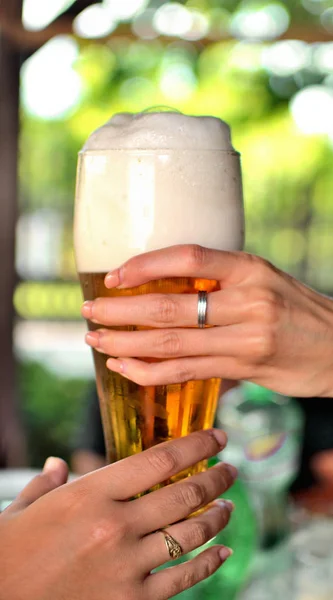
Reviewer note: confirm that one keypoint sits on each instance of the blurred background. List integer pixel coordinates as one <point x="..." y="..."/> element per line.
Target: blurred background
<point x="266" y="67"/>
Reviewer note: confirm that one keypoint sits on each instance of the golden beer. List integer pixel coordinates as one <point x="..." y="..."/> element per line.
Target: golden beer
<point x="137" y="417"/>
<point x="133" y="197"/>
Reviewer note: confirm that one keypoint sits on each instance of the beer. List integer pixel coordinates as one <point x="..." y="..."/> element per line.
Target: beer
<point x="146" y="182"/>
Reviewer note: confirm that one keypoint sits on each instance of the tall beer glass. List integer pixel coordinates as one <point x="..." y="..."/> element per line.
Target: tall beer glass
<point x="145" y="182"/>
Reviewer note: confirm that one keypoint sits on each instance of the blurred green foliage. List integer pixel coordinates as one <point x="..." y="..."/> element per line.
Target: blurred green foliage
<point x="288" y="177"/>
<point x="288" y="181"/>
<point x="51" y="411"/>
<point x="47" y="300"/>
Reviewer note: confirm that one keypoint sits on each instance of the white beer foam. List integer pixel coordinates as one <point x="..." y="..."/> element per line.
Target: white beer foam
<point x="154" y="180"/>
<point x="170" y="130"/>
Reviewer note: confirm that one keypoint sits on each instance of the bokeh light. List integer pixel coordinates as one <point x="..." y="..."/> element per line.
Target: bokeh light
<point x="142" y="25"/>
<point x="265" y="23"/>
<point x="199" y="28"/>
<point x="50" y="86"/>
<point x="315" y="7"/>
<point x="173" y="19"/>
<point x="124" y="10"/>
<point x="37" y="14"/>
<point x="312" y="110"/>
<point x="323" y="57"/>
<point x="178" y="82"/>
<point x="94" y="22"/>
<point x="286" y="57"/>
<point x="327" y="19"/>
<point x="246" y="56"/>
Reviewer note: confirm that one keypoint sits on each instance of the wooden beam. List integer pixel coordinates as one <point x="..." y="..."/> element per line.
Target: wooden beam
<point x="32" y="40"/>
<point x="12" y="451"/>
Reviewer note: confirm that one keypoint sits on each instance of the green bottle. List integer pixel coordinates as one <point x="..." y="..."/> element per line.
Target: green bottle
<point x="241" y="536"/>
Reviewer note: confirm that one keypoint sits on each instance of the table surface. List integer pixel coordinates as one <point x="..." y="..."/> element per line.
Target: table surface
<point x="12" y="481"/>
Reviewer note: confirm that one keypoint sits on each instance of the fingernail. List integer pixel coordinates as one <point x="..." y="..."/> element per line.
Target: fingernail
<point x="92" y="339"/>
<point x="112" y="279"/>
<point x="232" y="470"/>
<point x="220" y="436"/>
<point x="226" y="503"/>
<point x="225" y="552"/>
<point x="118" y="366"/>
<point x="86" y="310"/>
<point x="51" y="464"/>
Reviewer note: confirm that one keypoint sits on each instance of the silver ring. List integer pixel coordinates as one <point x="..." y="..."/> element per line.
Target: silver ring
<point x="202" y="309"/>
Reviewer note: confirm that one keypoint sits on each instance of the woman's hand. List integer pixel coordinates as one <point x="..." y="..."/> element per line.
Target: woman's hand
<point x="86" y="540"/>
<point x="268" y="327"/>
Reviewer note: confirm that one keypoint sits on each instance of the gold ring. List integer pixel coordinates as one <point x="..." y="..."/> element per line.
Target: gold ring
<point x="175" y="550"/>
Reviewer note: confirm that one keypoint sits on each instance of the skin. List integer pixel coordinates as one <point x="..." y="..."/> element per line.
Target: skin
<point x="268" y="327"/>
<point x="85" y="540"/>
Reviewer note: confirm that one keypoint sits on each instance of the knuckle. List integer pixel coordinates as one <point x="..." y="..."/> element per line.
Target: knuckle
<point x="206" y="442"/>
<point x="195" y="256"/>
<point x="271" y="311"/>
<point x="184" y="373"/>
<point x="189" y="578"/>
<point x="220" y="480"/>
<point x="163" y="310"/>
<point x="109" y="343"/>
<point x="199" y="533"/>
<point x="240" y="296"/>
<point x="209" y="565"/>
<point x="192" y="495"/>
<point x="169" y="343"/>
<point x="175" y="587"/>
<point x="163" y="460"/>
<point x="221" y="519"/>
<point x="264" y="344"/>
<point x="268" y="305"/>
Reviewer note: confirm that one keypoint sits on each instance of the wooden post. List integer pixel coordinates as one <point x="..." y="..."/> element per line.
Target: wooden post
<point x="11" y="438"/>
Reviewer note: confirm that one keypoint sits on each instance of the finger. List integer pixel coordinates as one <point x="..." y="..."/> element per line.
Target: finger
<point x="179" y="500"/>
<point x="173" y="343"/>
<point x="182" y="261"/>
<point x="225" y="307"/>
<point x="170" y="582"/>
<point x="140" y="472"/>
<point x="190" y="534"/>
<point x="54" y="474"/>
<point x="180" y="370"/>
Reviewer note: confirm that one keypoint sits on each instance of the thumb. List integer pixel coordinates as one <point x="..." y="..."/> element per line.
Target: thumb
<point x="54" y="474"/>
